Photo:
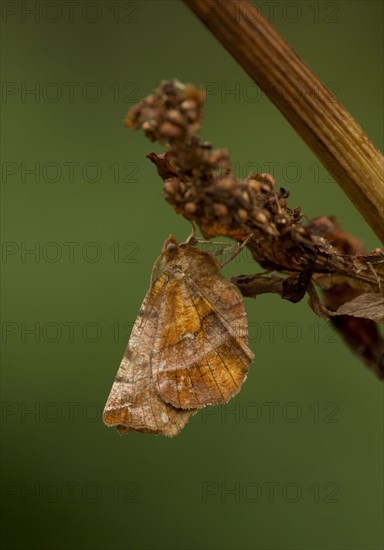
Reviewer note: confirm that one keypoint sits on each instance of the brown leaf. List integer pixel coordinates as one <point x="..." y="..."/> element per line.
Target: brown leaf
<point x="364" y="339"/>
<point x="368" y="306"/>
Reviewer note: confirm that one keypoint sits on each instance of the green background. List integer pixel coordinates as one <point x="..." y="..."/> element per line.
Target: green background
<point x="68" y="481"/>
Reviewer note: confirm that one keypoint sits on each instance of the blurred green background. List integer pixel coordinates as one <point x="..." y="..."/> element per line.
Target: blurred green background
<point x="294" y="461"/>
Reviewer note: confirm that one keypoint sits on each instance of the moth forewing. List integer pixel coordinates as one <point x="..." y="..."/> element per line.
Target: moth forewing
<point x="201" y="356"/>
<point x="188" y="347"/>
<point x="133" y="403"/>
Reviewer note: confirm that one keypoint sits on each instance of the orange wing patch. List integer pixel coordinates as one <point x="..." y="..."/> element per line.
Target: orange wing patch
<point x="199" y="357"/>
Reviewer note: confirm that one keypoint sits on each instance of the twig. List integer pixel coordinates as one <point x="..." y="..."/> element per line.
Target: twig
<point x="316" y="115"/>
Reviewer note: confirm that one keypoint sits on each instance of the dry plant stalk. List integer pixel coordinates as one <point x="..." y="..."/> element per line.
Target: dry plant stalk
<point x="200" y="185"/>
<point x="313" y="111"/>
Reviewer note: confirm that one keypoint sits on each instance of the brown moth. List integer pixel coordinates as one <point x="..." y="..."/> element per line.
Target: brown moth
<point x="188" y="347"/>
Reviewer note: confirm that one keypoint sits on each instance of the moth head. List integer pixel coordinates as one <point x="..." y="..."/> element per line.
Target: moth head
<point x="171" y="254"/>
<point x="185" y="258"/>
<point x="170" y="246"/>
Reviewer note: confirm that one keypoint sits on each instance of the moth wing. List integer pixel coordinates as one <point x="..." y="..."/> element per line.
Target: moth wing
<point x="133" y="403"/>
<point x="201" y="356"/>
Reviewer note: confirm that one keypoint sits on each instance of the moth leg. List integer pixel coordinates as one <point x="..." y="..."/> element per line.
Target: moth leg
<point x="202" y="241"/>
<point x="222" y="250"/>
<point x="237" y="251"/>
<point x="191" y="239"/>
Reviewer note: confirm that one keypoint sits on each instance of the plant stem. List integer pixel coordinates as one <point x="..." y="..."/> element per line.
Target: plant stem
<point x="317" y="116"/>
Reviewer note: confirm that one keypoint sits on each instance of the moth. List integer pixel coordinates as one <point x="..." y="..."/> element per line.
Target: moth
<point x="188" y="347"/>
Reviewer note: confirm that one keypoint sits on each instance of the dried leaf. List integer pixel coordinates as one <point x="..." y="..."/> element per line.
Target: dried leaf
<point x="368" y="306"/>
<point x="252" y="285"/>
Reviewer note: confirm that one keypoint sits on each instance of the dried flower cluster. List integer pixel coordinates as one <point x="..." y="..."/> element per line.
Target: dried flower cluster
<point x="200" y="185"/>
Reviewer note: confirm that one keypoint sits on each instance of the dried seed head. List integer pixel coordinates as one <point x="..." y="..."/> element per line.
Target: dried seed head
<point x="284" y="193"/>
<point x="175" y="116"/>
<point x="193" y="93"/>
<point x="243" y="214"/>
<point x="129" y="121"/>
<point x="132" y="117"/>
<point x="171" y="186"/>
<point x="225" y="183"/>
<point x="260" y="217"/>
<point x="192" y="115"/>
<point x="206" y="145"/>
<point x="255" y="185"/>
<point x="268" y="178"/>
<point x="189" y="105"/>
<point x="220" y="209"/>
<point x="190" y="207"/>
<point x="219" y="157"/>
<point x="266" y="188"/>
<point x="149" y="125"/>
<point x="170" y="130"/>
<point x="296" y="213"/>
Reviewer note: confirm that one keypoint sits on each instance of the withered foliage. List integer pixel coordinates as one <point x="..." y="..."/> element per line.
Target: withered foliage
<point x="300" y="255"/>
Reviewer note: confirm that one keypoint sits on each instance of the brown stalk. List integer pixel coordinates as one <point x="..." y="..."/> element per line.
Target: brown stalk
<point x="323" y="123"/>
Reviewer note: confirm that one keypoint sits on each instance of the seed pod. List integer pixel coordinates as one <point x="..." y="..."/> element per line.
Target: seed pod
<point x="171" y="186"/>
<point x="255" y="185"/>
<point x="220" y="209"/>
<point x="170" y="130"/>
<point x="190" y="207"/>
<point x="225" y="183"/>
<point x="175" y="116"/>
<point x="149" y="125"/>
<point x="243" y="214"/>
<point x="268" y="178"/>
<point x="260" y="217"/>
<point x="189" y="105"/>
